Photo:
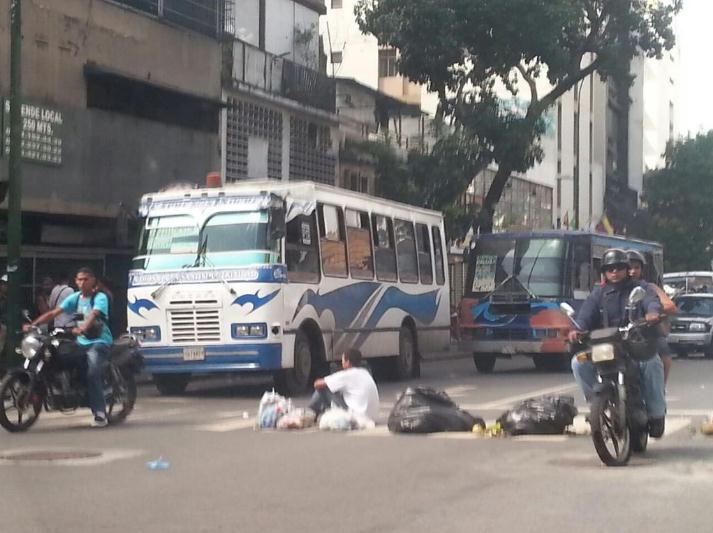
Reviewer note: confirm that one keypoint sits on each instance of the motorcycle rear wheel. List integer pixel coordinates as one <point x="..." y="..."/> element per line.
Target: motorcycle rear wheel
<point x="611" y="438"/>
<point x="16" y="395"/>
<point x="121" y="401"/>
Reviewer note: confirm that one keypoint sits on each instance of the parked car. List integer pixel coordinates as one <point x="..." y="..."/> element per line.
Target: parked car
<point x="692" y="327"/>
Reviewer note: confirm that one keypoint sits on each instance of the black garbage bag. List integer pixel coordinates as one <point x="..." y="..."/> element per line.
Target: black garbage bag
<point x="545" y="415"/>
<point x="426" y="410"/>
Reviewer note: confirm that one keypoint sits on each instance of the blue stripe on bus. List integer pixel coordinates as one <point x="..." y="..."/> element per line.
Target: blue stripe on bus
<point x="218" y="358"/>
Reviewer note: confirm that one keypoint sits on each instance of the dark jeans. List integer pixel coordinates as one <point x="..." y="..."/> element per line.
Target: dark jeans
<point x="322" y="399"/>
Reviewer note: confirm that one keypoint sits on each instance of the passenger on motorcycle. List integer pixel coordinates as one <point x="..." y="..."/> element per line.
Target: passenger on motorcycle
<point x="93" y="334"/>
<point x="606" y="307"/>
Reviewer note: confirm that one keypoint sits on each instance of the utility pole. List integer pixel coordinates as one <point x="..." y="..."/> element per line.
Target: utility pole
<point x="14" y="208"/>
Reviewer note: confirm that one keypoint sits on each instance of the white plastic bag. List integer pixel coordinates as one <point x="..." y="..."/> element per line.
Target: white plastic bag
<point x="335" y="419"/>
<point x="272" y="407"/>
<point x="299" y="418"/>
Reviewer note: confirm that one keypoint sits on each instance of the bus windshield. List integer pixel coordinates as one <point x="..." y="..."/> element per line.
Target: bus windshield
<point x="226" y="239"/>
<point x="537" y="263"/>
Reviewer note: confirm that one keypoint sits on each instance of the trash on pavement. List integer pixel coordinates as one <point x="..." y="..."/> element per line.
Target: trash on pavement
<point x="299" y="418"/>
<point x="544" y="415"/>
<point x="707" y="428"/>
<point x="272" y="407"/>
<point x="426" y="410"/>
<point x="158" y="464"/>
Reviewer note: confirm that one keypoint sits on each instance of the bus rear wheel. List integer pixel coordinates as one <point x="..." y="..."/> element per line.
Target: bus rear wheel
<point x="296" y="380"/>
<point x="484" y="363"/>
<point x="171" y="384"/>
<point x="407" y="365"/>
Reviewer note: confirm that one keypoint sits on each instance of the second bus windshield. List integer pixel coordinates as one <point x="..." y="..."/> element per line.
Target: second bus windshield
<point x="537" y="263"/>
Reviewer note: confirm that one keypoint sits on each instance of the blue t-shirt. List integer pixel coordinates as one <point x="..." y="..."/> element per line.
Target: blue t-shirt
<point x="76" y="303"/>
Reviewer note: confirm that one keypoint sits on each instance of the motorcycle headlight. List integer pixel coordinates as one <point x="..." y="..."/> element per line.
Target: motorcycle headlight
<point x="29" y="346"/>
<point x="602" y="353"/>
<point x="697" y="326"/>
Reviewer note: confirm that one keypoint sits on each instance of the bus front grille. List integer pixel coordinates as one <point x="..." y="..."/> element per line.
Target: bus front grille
<point x="195" y="325"/>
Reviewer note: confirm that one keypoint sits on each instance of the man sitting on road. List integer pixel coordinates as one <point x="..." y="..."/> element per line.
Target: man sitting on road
<point x="606" y="307"/>
<point x="352" y="389"/>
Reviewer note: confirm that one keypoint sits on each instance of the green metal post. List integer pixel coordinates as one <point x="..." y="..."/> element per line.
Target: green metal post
<point x="14" y="211"/>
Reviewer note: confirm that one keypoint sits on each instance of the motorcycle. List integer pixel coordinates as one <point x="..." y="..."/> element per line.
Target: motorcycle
<point x="53" y="377"/>
<point x="617" y="413"/>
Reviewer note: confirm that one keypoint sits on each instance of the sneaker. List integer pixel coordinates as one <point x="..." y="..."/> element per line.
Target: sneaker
<point x="100" y="421"/>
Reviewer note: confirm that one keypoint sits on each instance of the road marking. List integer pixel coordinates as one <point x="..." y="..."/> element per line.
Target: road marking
<point x="505" y="403"/>
<point x="227" y="425"/>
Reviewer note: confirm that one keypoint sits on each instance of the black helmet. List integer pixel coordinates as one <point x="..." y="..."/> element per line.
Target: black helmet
<point x="633" y="255"/>
<point x="614" y="256"/>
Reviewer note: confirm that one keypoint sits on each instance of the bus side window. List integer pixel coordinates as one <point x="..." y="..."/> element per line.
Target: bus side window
<point x="423" y="242"/>
<point x="301" y="252"/>
<point x="332" y="241"/>
<point x="406" y="251"/>
<point x="384" y="253"/>
<point x="361" y="262"/>
<point x="438" y="255"/>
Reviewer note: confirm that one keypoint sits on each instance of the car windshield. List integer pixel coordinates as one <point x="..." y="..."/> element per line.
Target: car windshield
<point x="226" y="239"/>
<point x="689" y="283"/>
<point x="695" y="306"/>
<point x="536" y="263"/>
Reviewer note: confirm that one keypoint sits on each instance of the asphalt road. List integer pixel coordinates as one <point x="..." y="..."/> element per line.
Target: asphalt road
<point x="223" y="476"/>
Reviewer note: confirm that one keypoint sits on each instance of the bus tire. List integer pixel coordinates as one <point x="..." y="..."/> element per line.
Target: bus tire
<point x="297" y="380"/>
<point x="407" y="364"/>
<point x="171" y="384"/>
<point x="484" y="363"/>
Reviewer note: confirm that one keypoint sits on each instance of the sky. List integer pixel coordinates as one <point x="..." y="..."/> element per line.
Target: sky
<point x="695" y="26"/>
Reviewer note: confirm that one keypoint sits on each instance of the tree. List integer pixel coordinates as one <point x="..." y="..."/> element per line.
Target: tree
<point x="679" y="204"/>
<point x="470" y="51"/>
<point x="435" y="180"/>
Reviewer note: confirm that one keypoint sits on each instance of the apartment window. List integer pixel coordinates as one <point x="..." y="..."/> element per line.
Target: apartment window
<point x="361" y="262"/>
<point x="336" y="4"/>
<point x="384" y="254"/>
<point x="336" y="58"/>
<point x="332" y="241"/>
<point x="387" y="63"/>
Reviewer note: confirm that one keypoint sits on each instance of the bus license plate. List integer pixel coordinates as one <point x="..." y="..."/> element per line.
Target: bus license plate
<point x="194" y="353"/>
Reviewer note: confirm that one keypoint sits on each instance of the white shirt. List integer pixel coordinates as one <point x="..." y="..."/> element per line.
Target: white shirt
<point x="358" y="390"/>
<point x="57" y="296"/>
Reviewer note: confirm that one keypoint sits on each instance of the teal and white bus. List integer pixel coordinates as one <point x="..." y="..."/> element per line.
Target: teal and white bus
<point x="281" y="277"/>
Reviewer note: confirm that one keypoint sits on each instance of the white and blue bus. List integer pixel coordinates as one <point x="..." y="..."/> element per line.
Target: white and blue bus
<point x="282" y="277"/>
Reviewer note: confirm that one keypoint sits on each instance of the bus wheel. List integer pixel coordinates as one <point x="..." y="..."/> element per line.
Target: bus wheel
<point x="171" y="384"/>
<point x="406" y="365"/>
<point x="294" y="381"/>
<point x="484" y="363"/>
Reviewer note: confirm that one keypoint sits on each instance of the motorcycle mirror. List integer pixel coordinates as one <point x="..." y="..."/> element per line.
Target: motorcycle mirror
<point x="636" y="295"/>
<point x="26" y="315"/>
<point x="567" y="309"/>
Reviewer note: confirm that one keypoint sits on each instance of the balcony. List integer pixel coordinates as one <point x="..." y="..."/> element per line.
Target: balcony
<point x="281" y="77"/>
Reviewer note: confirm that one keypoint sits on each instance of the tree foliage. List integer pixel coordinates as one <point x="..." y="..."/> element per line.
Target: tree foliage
<point x="471" y="51"/>
<point x="679" y="200"/>
<point x="435" y="180"/>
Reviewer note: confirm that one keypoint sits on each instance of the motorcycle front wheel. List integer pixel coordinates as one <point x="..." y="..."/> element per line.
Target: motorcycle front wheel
<point x="610" y="435"/>
<point x="20" y="406"/>
<point x="122" y="396"/>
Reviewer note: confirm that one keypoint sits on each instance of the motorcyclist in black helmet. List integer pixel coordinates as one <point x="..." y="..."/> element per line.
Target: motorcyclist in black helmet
<point x="606" y="307"/>
<point x="637" y="263"/>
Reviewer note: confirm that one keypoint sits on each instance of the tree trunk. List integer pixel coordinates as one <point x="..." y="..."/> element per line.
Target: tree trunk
<point x="484" y="220"/>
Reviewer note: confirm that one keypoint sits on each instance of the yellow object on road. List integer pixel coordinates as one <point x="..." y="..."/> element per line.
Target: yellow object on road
<point x="707" y="428"/>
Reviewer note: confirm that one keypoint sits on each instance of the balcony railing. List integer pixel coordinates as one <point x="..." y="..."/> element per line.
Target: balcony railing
<point x="280" y="76"/>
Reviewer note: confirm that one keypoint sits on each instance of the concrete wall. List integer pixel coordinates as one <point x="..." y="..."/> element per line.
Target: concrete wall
<point x="108" y="158"/>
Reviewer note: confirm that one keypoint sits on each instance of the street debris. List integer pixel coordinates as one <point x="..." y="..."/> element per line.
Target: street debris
<point x="544" y="415"/>
<point x="158" y="464"/>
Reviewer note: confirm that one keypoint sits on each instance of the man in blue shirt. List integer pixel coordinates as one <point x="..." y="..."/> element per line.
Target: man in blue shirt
<point x="606" y="307"/>
<point x="92" y="333"/>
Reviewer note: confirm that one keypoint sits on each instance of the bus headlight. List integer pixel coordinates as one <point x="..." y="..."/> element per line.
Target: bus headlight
<point x="255" y="331"/>
<point x="147" y="333"/>
<point x="602" y="352"/>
